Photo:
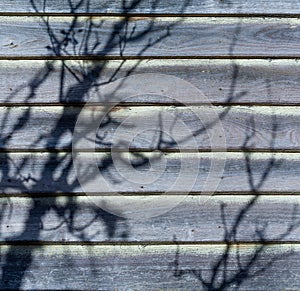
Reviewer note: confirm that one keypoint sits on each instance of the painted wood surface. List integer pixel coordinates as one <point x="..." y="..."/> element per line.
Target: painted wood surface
<point x="153" y="266"/>
<point x="64" y="224"/>
<point x="154" y="6"/>
<point x="221" y="81"/>
<point x="152" y="37"/>
<point x="149" y="128"/>
<point x="53" y="173"/>
<point x="238" y="218"/>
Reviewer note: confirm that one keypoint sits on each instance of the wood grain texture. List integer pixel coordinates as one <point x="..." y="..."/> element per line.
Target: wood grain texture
<point x="221" y="81"/>
<point x="38" y="173"/>
<point x="153" y="37"/>
<point x="197" y="219"/>
<point x="55" y="236"/>
<point x="139" y="128"/>
<point x="153" y="6"/>
<point x="152" y="267"/>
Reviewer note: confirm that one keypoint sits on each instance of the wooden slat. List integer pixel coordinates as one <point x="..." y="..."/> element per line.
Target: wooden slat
<point x="151" y="267"/>
<point x="173" y="172"/>
<point x="70" y="240"/>
<point x="172" y="37"/>
<point x="232" y="81"/>
<point x="196" y="219"/>
<point x="51" y="127"/>
<point x="154" y="6"/>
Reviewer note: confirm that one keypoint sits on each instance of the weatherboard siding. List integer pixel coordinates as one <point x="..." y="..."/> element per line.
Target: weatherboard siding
<point x="241" y="231"/>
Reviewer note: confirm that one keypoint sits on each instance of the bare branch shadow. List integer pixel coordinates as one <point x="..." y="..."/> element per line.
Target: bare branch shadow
<point x="73" y="40"/>
<point x="231" y="268"/>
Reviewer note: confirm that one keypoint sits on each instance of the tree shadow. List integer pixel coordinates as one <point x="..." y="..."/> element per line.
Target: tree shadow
<point x="73" y="40"/>
<point x="231" y="268"/>
<point x="77" y="40"/>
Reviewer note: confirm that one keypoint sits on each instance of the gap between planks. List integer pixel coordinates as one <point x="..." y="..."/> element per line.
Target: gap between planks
<point x="145" y="150"/>
<point x="149" y="104"/>
<point x="162" y="15"/>
<point x="133" y="194"/>
<point x="28" y="244"/>
<point x="147" y="57"/>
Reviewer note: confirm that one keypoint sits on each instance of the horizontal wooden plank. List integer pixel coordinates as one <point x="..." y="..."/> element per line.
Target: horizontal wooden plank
<point x="197" y="219"/>
<point x="153" y="37"/>
<point x="151" y="267"/>
<point x="141" y="127"/>
<point x="154" y="6"/>
<point x="103" y="173"/>
<point x="221" y="81"/>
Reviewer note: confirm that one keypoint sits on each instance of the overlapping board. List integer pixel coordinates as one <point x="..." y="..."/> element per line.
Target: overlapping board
<point x="239" y="227"/>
